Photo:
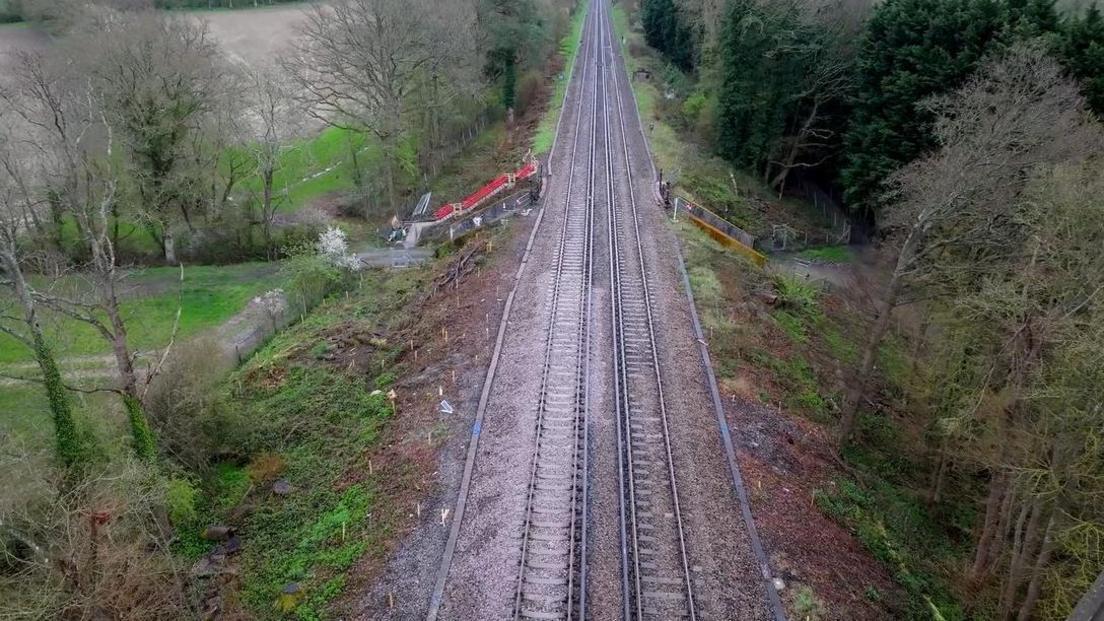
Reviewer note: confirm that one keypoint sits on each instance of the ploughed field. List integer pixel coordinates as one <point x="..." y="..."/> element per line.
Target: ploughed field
<point x="16" y="38"/>
<point x="250" y="36"/>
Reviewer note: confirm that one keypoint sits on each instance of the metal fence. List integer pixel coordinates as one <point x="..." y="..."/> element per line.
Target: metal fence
<point x="253" y="327"/>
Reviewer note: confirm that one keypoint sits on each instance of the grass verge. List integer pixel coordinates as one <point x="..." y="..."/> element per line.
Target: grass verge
<point x="827" y="254"/>
<point x="569" y="47"/>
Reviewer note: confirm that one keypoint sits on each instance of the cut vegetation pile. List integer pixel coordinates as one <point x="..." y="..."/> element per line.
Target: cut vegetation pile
<point x="311" y="487"/>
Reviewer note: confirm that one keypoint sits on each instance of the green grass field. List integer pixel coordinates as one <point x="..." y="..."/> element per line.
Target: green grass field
<point x="210" y="296"/>
<point x="315" y="167"/>
<point x="251" y="7"/>
<point x="569" y="46"/>
<point x="828" y="254"/>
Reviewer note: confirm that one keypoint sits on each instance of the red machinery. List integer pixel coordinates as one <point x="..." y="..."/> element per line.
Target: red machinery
<point x="495" y="186"/>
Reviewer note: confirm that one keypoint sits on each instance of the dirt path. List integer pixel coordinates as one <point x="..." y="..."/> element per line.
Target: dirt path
<point x="238" y="337"/>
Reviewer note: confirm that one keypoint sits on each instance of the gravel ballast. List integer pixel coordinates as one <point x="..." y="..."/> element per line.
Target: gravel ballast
<point x="727" y="579"/>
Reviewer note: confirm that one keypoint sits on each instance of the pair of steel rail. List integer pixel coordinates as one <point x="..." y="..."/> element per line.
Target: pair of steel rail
<point x="552" y="573"/>
<point x="552" y="577"/>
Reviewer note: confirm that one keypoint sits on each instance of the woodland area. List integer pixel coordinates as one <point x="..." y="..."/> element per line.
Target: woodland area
<point x="964" y="137"/>
<point x="132" y="142"/>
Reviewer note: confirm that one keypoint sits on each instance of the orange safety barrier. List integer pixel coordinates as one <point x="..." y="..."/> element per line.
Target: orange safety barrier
<point x="725" y="240"/>
<point x="700" y="216"/>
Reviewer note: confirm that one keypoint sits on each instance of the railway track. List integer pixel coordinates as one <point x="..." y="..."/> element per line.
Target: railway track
<point x="551" y="581"/>
<point x="552" y="571"/>
<point x="657" y="583"/>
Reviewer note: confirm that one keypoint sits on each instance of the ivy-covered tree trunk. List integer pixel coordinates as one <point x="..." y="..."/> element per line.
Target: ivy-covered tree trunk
<point x="73" y="450"/>
<point x="145" y="444"/>
<point x="72" y="447"/>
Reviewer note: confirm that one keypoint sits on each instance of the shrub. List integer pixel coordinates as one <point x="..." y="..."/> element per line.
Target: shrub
<point x="377" y="407"/>
<point x="806" y="605"/>
<point x="707" y="289"/>
<point x="795" y="293"/>
<point x="529" y="90"/>
<point x="97" y="551"/>
<point x="310" y="278"/>
<point x="180" y="499"/>
<point x="236" y="238"/>
<point x="320" y="349"/>
<point x="265" y="467"/>
<point x="717" y="194"/>
<point x="692" y="107"/>
<point x="812" y="401"/>
<point x="792" y="325"/>
<point x="705" y="123"/>
<point x="184" y="405"/>
<point x="385" y="380"/>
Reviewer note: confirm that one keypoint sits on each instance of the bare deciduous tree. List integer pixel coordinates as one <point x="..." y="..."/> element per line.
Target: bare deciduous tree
<point x="950" y="217"/>
<point x="1045" y="315"/>
<point x="807" y="145"/>
<point x="360" y="64"/>
<point x="161" y="79"/>
<point x="20" y="319"/>
<point x="99" y="549"/>
<point x="73" y="143"/>
<point x="273" y="123"/>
